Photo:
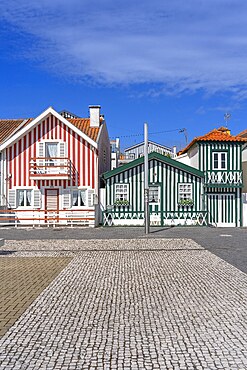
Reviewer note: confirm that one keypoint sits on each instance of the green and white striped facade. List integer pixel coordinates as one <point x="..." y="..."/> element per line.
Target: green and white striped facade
<point x="223" y="186"/>
<point x="166" y="177"/>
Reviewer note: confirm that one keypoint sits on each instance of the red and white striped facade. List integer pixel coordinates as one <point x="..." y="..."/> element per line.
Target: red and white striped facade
<point x="81" y="152"/>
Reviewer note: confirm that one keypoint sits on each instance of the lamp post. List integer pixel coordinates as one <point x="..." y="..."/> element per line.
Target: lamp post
<point x="146" y="188"/>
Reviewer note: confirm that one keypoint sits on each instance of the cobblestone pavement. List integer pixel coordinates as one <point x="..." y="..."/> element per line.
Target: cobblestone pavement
<point x="172" y="305"/>
<point x="21" y="281"/>
<point x="98" y="245"/>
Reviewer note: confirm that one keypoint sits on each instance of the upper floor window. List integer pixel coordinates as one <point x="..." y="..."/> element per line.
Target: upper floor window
<point x="51" y="152"/>
<point x="219" y="161"/>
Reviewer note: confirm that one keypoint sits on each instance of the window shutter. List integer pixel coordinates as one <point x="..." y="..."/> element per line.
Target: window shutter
<point x="41" y="154"/>
<point x="12" y="198"/>
<point x="36" y="199"/>
<point x="62" y="154"/>
<point x="66" y="198"/>
<point x="90" y="194"/>
<point x="62" y="150"/>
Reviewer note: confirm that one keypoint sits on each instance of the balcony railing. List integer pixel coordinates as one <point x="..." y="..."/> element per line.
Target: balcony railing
<point x="50" y="168"/>
<point x="226" y="178"/>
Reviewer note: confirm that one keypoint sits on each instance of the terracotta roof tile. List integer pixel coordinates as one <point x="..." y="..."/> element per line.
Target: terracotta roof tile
<point x="9" y="126"/>
<point x="220" y="134"/>
<point x="83" y="124"/>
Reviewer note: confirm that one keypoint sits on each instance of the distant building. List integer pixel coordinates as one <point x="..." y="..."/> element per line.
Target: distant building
<point x="136" y="151"/>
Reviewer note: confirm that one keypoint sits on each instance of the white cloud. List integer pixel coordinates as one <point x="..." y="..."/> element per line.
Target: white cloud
<point x="182" y="46"/>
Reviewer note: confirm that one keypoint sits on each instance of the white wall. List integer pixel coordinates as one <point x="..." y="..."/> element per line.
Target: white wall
<point x="183" y="159"/>
<point x="244" y="197"/>
<point x="194" y="157"/>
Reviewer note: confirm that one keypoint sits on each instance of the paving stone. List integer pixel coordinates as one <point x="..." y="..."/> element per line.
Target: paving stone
<point x="133" y="304"/>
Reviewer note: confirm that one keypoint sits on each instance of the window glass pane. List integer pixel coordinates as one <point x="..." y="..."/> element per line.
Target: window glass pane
<point x="28" y="197"/>
<point x="223" y="160"/>
<point x="75" y="198"/>
<point x="184" y="191"/>
<point x="216" y="162"/>
<point x="121" y="192"/>
<point x="153" y="194"/>
<point x="82" y="195"/>
<point x="20" y="194"/>
<point x="51" y="152"/>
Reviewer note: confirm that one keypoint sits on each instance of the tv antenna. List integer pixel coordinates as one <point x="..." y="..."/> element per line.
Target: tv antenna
<point x="227" y="117"/>
<point x="183" y="130"/>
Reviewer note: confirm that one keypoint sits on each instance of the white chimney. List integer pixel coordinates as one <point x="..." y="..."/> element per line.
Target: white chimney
<point x="174" y="150"/>
<point x="94" y="113"/>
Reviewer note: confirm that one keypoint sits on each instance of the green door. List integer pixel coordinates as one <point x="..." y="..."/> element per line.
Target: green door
<point x="155" y="205"/>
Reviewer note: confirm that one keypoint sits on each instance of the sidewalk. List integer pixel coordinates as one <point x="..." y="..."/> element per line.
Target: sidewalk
<point x="132" y="304"/>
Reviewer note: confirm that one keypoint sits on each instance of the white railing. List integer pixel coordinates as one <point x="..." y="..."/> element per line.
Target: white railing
<point x="224" y="177"/>
<point x="36" y="218"/>
<point x="131" y="218"/>
<point x="50" y="167"/>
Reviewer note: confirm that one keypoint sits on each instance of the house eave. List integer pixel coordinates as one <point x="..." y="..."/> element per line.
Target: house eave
<point x="151" y="156"/>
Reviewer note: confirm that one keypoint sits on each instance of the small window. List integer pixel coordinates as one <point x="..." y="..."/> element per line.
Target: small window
<point x="24" y="198"/>
<point x="153" y="194"/>
<point x="184" y="192"/>
<point x="78" y="198"/>
<point x="121" y="192"/>
<point x="219" y="161"/>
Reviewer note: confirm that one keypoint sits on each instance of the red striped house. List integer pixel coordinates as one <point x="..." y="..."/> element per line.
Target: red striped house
<point x="51" y="167"/>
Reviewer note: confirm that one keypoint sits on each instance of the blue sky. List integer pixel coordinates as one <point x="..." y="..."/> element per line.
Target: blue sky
<point x="173" y="64"/>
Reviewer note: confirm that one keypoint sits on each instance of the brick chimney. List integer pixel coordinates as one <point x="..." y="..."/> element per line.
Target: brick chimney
<point x="94" y="114"/>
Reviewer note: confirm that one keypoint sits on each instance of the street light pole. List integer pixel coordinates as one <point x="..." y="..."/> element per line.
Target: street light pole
<point x="146" y="188"/>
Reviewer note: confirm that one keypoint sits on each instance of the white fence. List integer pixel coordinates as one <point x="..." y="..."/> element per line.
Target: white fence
<point x="47" y="218"/>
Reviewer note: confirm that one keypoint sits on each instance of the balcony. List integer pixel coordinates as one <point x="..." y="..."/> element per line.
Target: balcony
<point x="50" y="168"/>
<point x="224" y="178"/>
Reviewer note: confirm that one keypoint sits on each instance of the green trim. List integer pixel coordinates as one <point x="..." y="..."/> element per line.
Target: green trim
<point x="157" y="156"/>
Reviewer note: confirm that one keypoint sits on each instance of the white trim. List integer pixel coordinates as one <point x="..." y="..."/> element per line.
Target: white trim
<point x="74" y="188"/>
<point x="41" y="117"/>
<point x="158" y="201"/>
<point x="190" y="192"/>
<point x="17" y="200"/>
<point x="219" y="155"/>
<point x="127" y="192"/>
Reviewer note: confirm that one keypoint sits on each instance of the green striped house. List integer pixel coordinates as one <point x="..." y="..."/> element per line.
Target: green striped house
<point x="175" y="193"/>
<point x="218" y="155"/>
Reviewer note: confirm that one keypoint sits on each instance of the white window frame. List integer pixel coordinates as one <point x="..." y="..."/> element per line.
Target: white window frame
<point x="124" y="194"/>
<point x="185" y="191"/>
<point x="157" y="201"/>
<point x="77" y="190"/>
<point x="25" y="197"/>
<point x="219" y="157"/>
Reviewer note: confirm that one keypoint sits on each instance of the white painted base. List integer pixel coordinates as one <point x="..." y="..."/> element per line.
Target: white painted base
<point x="245" y="209"/>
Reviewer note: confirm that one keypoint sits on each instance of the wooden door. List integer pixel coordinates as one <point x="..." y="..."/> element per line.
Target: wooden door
<point x="52" y="203"/>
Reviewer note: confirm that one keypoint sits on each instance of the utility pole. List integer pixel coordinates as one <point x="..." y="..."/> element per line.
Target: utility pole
<point x="146" y="188"/>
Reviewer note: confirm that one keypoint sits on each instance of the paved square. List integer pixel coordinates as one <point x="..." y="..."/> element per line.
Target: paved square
<point x="172" y="305"/>
<point x="21" y="281"/>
